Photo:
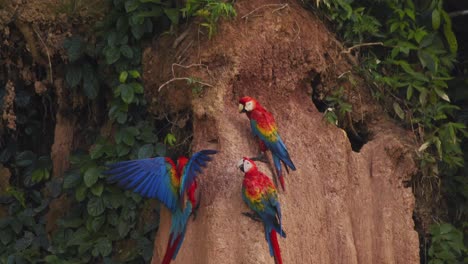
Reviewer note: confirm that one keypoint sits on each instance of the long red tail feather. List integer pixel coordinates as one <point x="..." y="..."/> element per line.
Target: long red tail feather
<point x="281" y="179"/>
<point x="170" y="250"/>
<point x="276" y="248"/>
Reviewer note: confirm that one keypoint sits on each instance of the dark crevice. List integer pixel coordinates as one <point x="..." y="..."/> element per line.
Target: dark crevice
<point x="358" y="135"/>
<point x="357" y="131"/>
<point x="317" y="97"/>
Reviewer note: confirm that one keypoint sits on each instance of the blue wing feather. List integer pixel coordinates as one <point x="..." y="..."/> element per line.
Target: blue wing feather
<point x="277" y="147"/>
<point x="195" y="165"/>
<point x="150" y="178"/>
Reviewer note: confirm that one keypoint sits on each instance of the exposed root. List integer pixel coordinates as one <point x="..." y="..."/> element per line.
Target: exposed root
<point x="280" y="7"/>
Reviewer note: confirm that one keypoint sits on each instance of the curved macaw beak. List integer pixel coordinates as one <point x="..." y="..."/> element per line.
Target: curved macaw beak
<point x="241" y="108"/>
<point x="240" y="165"/>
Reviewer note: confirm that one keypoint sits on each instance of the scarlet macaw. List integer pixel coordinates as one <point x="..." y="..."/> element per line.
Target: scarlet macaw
<point x="160" y="178"/>
<point x="259" y="193"/>
<point x="264" y="127"/>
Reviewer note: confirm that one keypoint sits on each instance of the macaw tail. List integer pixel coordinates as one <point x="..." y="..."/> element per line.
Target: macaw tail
<point x="279" y="173"/>
<point x="281" y="180"/>
<point x="172" y="248"/>
<point x="177" y="234"/>
<point x="275" y="247"/>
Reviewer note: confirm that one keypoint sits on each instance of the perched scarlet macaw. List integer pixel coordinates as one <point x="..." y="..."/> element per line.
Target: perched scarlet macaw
<point x="160" y="178"/>
<point x="264" y="127"/>
<point x="259" y="193"/>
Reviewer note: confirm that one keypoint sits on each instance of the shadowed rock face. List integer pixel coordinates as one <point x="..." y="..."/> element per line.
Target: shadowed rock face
<point x="340" y="206"/>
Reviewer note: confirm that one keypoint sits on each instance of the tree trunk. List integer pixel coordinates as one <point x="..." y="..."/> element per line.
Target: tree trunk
<point x="340" y="206"/>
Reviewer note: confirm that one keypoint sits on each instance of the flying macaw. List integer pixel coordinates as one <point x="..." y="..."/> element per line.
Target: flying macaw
<point x="259" y="193"/>
<point x="264" y="127"/>
<point x="173" y="185"/>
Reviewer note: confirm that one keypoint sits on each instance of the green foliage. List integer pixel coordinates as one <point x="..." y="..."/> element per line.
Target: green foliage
<point x="408" y="52"/>
<point x="337" y="101"/>
<point x="447" y="245"/>
<point x="210" y="10"/>
<point x="102" y="218"/>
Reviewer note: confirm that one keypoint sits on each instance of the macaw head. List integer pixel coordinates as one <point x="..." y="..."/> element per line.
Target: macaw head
<point x="246" y="165"/>
<point x="181" y="162"/>
<point x="247" y="104"/>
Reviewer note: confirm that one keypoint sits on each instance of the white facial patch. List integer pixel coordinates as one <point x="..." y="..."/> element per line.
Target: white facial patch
<point x="249" y="106"/>
<point x="241" y="107"/>
<point x="247" y="165"/>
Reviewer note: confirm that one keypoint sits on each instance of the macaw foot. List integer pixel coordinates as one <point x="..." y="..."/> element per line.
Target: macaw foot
<point x="252" y="216"/>
<point x="262" y="158"/>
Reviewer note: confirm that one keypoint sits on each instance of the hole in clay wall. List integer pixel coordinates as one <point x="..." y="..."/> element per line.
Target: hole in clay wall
<point x="357" y="132"/>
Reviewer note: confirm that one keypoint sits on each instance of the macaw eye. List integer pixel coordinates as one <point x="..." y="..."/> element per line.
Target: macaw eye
<point x="249" y="106"/>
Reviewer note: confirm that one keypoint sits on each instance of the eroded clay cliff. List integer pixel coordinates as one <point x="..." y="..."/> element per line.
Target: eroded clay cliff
<point x="341" y="206"/>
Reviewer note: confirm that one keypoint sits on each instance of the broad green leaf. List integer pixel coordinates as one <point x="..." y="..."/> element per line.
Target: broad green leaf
<point x="423" y="97"/>
<point x="74" y="48"/>
<point x="126" y="51"/>
<point x="6" y="236"/>
<point x="112" y="39"/>
<point x="155" y="12"/>
<point x="451" y="39"/>
<point x="80" y="193"/>
<point x="24" y="242"/>
<point x="96" y="151"/>
<point x="97" y="222"/>
<point x="435" y="19"/>
<point x="123" y="77"/>
<point x="97" y="189"/>
<point x="398" y="110"/>
<point x="445" y="228"/>
<point x="409" y="92"/>
<point x="160" y="150"/>
<point x="428" y="60"/>
<point x="95" y="206"/>
<point x="91" y="176"/>
<point x="172" y="14"/>
<point x="127" y="94"/>
<point x="410" y="13"/>
<point x="135" y="74"/>
<point x="131" y="5"/>
<point x="170" y="139"/>
<point x="112" y="54"/>
<point x="146" y="151"/>
<point x="123" y="228"/>
<point x="137" y="87"/>
<point x="39" y="174"/>
<point x="419" y="34"/>
<point x="79" y="237"/>
<point x="103" y="246"/>
<point x="74" y="75"/>
<point x="72" y="179"/>
<point x="138" y="30"/>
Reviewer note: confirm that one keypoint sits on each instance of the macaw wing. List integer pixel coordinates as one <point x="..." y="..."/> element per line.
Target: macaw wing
<point x="194" y="166"/>
<point x="264" y="126"/>
<point x="151" y="178"/>
<point x="268" y="133"/>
